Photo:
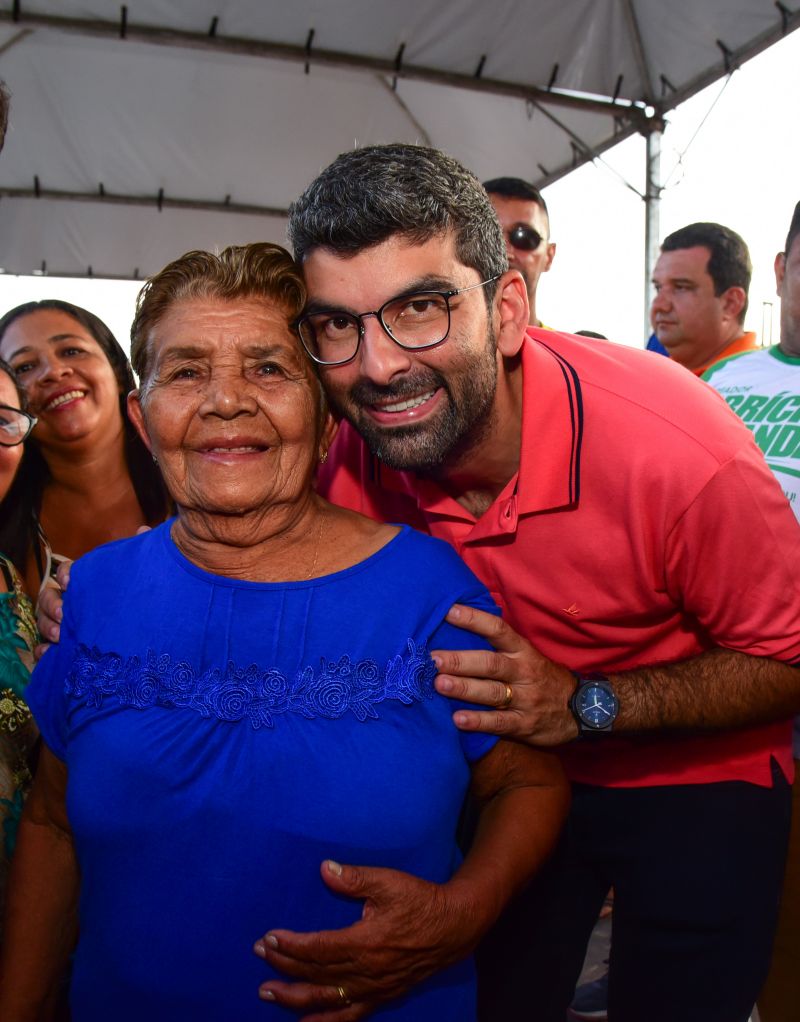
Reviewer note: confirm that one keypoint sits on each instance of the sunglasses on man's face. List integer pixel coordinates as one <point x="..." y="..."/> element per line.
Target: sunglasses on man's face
<point x="524" y="238"/>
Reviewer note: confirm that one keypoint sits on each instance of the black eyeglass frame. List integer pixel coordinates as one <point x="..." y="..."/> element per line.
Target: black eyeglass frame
<point x="378" y="314"/>
<point x="527" y="233"/>
<point x="32" y="420"/>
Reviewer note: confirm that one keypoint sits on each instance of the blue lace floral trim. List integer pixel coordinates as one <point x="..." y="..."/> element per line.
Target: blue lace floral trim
<point x="249" y="693"/>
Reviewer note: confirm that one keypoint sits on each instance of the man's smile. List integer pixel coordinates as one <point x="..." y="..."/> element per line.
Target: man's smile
<point x="405" y="409"/>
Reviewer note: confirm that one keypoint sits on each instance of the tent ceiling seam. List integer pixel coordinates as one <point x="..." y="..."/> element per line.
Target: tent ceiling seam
<point x="587" y="151"/>
<point x="549" y="177"/>
<point x="789" y="22"/>
<point x="638" y="49"/>
<point x="16" y="38"/>
<point x="629" y="109"/>
<point x="423" y="134"/>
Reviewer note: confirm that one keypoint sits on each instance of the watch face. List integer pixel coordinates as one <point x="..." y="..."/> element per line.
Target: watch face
<point x="596" y="705"/>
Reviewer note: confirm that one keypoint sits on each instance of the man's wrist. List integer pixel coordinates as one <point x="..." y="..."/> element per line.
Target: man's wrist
<point x="593" y="703"/>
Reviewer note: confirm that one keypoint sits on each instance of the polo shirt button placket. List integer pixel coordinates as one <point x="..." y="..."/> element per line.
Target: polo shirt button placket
<point x="509" y="516"/>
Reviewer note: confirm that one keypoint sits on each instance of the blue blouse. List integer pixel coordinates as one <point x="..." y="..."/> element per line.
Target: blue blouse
<point x="223" y="738"/>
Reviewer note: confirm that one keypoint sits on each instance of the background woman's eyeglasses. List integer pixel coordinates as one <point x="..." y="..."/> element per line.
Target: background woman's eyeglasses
<point x="15" y="426"/>
<point x="524" y="238"/>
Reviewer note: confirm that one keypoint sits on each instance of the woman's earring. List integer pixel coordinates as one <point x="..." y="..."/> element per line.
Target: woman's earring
<point x="323" y="457"/>
<point x="155" y="459"/>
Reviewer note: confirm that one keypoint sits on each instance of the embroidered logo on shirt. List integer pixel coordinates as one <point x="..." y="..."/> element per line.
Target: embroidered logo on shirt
<point x="572" y="609"/>
<point x="250" y="693"/>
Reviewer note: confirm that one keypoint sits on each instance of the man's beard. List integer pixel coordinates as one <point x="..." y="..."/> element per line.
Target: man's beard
<point x="462" y="421"/>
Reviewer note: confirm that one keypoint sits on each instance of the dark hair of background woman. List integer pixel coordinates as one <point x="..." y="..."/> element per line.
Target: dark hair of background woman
<point x="20" y="510"/>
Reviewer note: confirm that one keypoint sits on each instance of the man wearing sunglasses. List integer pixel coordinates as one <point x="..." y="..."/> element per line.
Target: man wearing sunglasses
<point x="523" y="216"/>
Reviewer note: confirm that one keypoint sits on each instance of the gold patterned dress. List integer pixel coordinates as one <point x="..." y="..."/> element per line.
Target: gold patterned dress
<point x="18" y="732"/>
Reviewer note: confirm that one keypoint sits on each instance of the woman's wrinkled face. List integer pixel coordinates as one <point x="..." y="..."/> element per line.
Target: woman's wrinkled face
<point x="231" y="409"/>
<point x="66" y="375"/>
<point x="10" y="457"/>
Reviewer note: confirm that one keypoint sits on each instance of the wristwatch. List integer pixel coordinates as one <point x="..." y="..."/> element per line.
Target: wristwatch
<point x="594" y="704"/>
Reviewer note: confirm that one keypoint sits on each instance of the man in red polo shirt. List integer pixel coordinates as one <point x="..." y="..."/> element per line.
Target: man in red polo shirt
<point x="646" y="563"/>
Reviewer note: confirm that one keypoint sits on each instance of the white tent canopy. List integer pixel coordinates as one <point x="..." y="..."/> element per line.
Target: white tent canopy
<point x="138" y="132"/>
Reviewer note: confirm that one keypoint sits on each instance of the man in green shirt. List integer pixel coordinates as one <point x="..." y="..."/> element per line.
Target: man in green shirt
<point x="763" y="388"/>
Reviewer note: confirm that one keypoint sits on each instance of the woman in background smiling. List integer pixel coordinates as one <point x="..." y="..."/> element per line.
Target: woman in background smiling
<point x="87" y="477"/>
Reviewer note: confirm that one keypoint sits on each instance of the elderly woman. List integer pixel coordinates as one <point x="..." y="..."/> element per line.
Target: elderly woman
<point x="244" y="696"/>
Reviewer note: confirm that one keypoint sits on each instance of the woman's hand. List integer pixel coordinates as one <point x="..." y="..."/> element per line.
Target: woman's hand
<point x="409" y="929"/>
<point x="48" y="608"/>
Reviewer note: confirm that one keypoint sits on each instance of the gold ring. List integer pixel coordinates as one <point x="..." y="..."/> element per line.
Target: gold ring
<point x="507" y="697"/>
<point x="344" y="998"/>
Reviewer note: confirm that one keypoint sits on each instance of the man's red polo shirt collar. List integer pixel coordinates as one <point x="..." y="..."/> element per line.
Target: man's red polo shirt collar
<point x="552" y="431"/>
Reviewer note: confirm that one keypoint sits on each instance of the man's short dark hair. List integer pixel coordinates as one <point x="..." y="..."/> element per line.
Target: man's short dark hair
<point x="794" y="230"/>
<point x="5" y="97"/>
<point x="515" y="188"/>
<point x="729" y="260"/>
<point x="369" y="195"/>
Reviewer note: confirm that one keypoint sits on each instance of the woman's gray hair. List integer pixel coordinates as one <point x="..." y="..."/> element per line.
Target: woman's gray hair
<point x="370" y="194"/>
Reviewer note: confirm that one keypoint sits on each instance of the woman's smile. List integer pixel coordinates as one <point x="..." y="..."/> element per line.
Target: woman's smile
<point x="62" y="399"/>
<point x="232" y="449"/>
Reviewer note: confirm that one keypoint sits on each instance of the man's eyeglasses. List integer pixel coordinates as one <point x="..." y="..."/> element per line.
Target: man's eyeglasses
<point x="15" y="426"/>
<point x="414" y="321"/>
<point x="524" y="238"/>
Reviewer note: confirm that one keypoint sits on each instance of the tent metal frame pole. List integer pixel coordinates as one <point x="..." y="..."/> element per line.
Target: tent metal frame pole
<point x="652" y="211"/>
<point x="150" y="201"/>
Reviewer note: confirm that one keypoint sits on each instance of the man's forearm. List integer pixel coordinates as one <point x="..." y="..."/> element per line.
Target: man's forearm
<point x="715" y="690"/>
<point x="523" y="696"/>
